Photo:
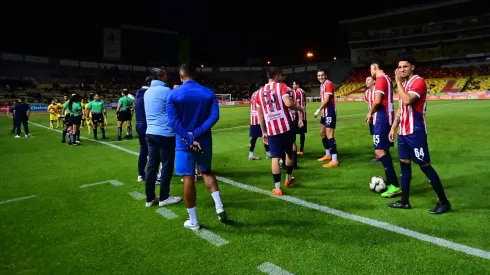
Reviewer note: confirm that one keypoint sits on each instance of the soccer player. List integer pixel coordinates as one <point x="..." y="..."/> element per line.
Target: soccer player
<point x="192" y="111"/>
<point x="328" y="119"/>
<point x="59" y="110"/>
<point x="296" y="123"/>
<point x="106" y="122"/>
<point x="84" y="106"/>
<point x="381" y="116"/>
<point x="53" y="113"/>
<point x="11" y="111"/>
<point x="97" y="107"/>
<point x="75" y="110"/>
<point x="369" y="98"/>
<point x="21" y="114"/>
<point x="255" y="130"/>
<point x="124" y="106"/>
<point x="301" y="101"/>
<point x="412" y="134"/>
<point x="66" y="119"/>
<point x="274" y="102"/>
<point x="141" y="128"/>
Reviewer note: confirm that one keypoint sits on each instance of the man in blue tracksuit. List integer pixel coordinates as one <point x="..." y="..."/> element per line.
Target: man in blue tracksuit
<point x="192" y="111"/>
<point x="141" y="128"/>
<point x="160" y="139"/>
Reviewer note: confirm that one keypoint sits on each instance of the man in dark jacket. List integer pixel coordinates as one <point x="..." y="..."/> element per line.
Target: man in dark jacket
<point x="141" y="128"/>
<point x="22" y="111"/>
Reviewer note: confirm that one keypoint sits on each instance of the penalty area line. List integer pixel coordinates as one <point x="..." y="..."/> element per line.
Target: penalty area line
<point x="372" y="222"/>
<point x="18" y="199"/>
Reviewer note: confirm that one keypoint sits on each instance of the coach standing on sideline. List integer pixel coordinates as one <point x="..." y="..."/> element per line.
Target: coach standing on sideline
<point x="141" y="128"/>
<point x="22" y="111"/>
<point x="160" y="139"/>
<point x="192" y="111"/>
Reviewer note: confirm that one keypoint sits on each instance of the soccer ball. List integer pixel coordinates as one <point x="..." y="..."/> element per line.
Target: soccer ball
<point x="377" y="184"/>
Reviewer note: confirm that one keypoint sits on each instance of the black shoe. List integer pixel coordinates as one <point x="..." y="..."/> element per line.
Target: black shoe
<point x="441" y="208"/>
<point x="118" y="139"/>
<point x="399" y="204"/>
<point x="63" y="141"/>
<point x="105" y="137"/>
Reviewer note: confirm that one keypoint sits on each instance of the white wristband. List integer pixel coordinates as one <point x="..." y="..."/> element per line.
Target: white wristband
<point x="317" y="112"/>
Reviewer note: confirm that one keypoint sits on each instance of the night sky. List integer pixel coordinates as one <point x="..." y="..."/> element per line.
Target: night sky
<point x="225" y="34"/>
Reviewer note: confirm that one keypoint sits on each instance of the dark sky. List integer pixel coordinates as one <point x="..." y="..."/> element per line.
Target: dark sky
<point x="223" y="34"/>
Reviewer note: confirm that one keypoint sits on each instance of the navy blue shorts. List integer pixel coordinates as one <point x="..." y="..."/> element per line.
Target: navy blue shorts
<point x="280" y="144"/>
<point x="304" y="129"/>
<point x="414" y="147"/>
<point x="329" y="121"/>
<point x="185" y="161"/>
<point x="371" y="127"/>
<point x="294" y="129"/>
<point x="380" y="136"/>
<point x="255" y="131"/>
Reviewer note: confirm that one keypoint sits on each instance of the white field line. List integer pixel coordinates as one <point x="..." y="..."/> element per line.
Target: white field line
<point x="379" y="224"/>
<point x="166" y="213"/>
<point x="137" y="195"/>
<point x="272" y="269"/>
<point x="18" y="199"/>
<point x="350" y="115"/>
<point x="113" y="182"/>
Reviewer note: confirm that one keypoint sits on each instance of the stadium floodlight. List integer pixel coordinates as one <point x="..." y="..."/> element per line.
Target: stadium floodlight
<point x="309" y="54"/>
<point x="268" y="62"/>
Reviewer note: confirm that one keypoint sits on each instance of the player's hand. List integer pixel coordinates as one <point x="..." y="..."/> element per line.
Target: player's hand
<point x="300" y="124"/>
<point x="391" y="136"/>
<point x="398" y="76"/>
<point x="196" y="147"/>
<point x="265" y="139"/>
<point x="369" y="118"/>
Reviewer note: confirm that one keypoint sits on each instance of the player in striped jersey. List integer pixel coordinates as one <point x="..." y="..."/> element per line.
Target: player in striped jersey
<point x="381" y="116"/>
<point x="273" y="102"/>
<point x="369" y="97"/>
<point x="255" y="130"/>
<point x="412" y="134"/>
<point x="301" y="101"/>
<point x="328" y="119"/>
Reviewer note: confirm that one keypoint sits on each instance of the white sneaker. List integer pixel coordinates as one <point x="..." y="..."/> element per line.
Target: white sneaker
<point x="253" y="158"/>
<point x="153" y="202"/>
<point x="140" y="179"/>
<point x="17" y="136"/>
<point x="268" y="155"/>
<point x="222" y="216"/>
<point x="28" y="135"/>
<point x="169" y="200"/>
<point x="193" y="227"/>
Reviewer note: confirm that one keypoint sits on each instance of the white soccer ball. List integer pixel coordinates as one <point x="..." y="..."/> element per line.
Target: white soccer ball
<point x="377" y="184"/>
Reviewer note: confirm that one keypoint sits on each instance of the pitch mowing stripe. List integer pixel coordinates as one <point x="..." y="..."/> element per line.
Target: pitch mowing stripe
<point x="18" y="199"/>
<point x="272" y="269"/>
<point x="375" y="223"/>
<point x="350" y="115"/>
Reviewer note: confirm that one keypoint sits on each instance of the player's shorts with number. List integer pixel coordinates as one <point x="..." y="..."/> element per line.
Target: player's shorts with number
<point x="329" y="121"/>
<point x="185" y="161"/>
<point x="281" y="143"/>
<point x="255" y="131"/>
<point x="380" y="134"/>
<point x="414" y="147"/>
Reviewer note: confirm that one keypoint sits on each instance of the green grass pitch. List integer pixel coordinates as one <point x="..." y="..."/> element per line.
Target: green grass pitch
<point x="101" y="229"/>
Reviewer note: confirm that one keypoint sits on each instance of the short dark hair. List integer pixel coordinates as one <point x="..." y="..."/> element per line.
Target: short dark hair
<point x="407" y="58"/>
<point x="380" y="63"/>
<point x="124" y="91"/>
<point x="187" y="70"/>
<point x="148" y="80"/>
<point x="272" y="72"/>
<point x="156" y="73"/>
<point x="322" y="70"/>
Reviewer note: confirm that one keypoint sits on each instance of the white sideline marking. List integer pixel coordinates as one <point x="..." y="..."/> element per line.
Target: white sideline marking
<point x="379" y="224"/>
<point x="210" y="237"/>
<point x="272" y="269"/>
<point x="350" y="115"/>
<point x="119" y="141"/>
<point x="383" y="225"/>
<point x="18" y="199"/>
<point x="113" y="182"/>
<point x="137" y="195"/>
<point x="166" y="213"/>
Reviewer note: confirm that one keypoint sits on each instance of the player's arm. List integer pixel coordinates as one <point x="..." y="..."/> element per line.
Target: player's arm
<point x="88" y="109"/>
<point x="28" y="113"/>
<point x="119" y="105"/>
<point x="408" y="97"/>
<point x="261" y="119"/>
<point x="286" y="98"/>
<point x="379" y="91"/>
<point x="300" y="114"/>
<point x="210" y="122"/>
<point x="175" y="122"/>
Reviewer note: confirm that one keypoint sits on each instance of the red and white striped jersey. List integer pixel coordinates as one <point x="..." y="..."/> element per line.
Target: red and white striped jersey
<point x="276" y="114"/>
<point x="254" y="116"/>
<point x="292" y="95"/>
<point x="412" y="118"/>
<point x="327" y="88"/>
<point x="385" y="112"/>
<point x="301" y="98"/>
<point x="369" y="97"/>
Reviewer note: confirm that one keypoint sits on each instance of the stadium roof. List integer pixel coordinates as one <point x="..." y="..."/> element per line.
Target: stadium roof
<point x="405" y="10"/>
